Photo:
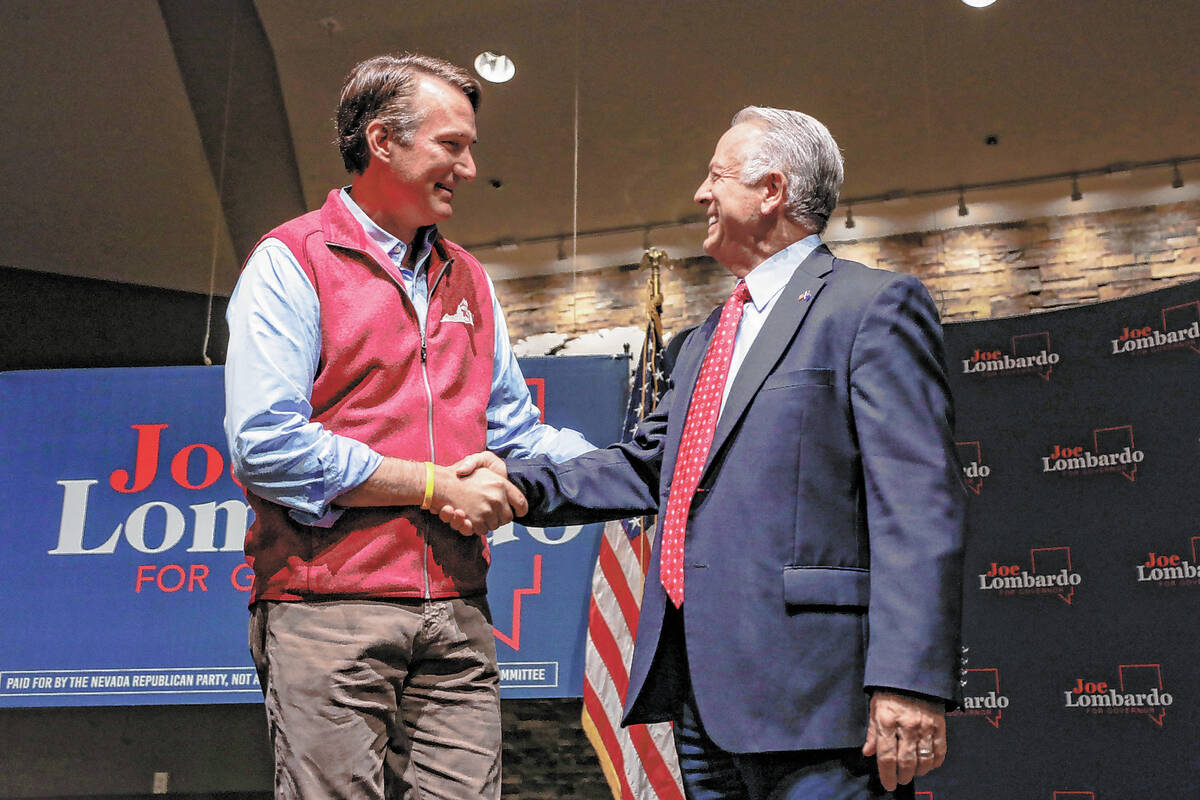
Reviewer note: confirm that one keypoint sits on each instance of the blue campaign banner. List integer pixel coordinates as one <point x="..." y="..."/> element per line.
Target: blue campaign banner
<point x="124" y="581"/>
<point x="540" y="580"/>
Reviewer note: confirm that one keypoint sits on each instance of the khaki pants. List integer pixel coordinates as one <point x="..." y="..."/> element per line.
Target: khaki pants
<point x="380" y="699"/>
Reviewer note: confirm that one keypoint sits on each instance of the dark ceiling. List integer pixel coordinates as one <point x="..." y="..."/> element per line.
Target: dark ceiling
<point x="121" y="117"/>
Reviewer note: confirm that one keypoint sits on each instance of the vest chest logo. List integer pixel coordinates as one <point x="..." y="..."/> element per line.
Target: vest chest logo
<point x="462" y="314"/>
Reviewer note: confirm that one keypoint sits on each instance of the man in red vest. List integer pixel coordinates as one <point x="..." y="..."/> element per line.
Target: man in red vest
<point x="366" y="354"/>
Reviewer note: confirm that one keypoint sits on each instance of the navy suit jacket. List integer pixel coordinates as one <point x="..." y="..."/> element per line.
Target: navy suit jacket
<point x="824" y="546"/>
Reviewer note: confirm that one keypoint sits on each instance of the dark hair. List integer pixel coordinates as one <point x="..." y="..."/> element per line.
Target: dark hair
<point x="382" y="88"/>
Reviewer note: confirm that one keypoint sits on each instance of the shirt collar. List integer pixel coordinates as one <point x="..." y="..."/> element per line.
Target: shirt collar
<point x="768" y="278"/>
<point x="386" y="241"/>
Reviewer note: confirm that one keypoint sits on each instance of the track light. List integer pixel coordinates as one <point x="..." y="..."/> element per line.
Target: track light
<point x="1175" y="163"/>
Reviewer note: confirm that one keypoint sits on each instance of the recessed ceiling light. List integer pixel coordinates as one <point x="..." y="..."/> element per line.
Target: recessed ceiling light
<point x="494" y="67"/>
<point x="979" y="3"/>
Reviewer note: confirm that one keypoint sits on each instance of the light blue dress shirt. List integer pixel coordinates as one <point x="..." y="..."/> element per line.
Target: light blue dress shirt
<point x="275" y="334"/>
<point x="765" y="283"/>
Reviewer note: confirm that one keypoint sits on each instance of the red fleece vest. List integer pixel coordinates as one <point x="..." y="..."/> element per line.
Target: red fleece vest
<point x="371" y="386"/>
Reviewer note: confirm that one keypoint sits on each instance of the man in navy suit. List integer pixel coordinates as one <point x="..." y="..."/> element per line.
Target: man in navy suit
<point x="808" y="644"/>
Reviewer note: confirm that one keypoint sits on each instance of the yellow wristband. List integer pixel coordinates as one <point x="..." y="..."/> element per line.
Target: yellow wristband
<point x="428" y="486"/>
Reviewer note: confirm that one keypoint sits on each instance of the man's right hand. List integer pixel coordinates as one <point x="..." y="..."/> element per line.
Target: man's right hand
<point x="474" y="497"/>
<point x="470" y="499"/>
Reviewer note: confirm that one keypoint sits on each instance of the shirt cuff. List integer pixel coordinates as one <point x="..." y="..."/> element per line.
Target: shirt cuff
<point x="358" y="462"/>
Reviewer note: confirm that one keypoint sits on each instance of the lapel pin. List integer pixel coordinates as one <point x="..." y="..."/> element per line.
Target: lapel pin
<point x="807" y="294"/>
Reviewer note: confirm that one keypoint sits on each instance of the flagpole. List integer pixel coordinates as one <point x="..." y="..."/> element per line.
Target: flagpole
<point x="639" y="762"/>
<point x="652" y="259"/>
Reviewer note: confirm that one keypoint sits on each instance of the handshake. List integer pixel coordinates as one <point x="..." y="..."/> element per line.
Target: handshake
<point x="474" y="495"/>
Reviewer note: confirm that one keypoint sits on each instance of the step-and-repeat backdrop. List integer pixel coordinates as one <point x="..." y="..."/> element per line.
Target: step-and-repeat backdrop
<point x="1079" y="437"/>
<point x="123" y="576"/>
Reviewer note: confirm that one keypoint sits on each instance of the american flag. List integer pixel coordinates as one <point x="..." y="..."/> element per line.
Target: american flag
<point x="639" y="762"/>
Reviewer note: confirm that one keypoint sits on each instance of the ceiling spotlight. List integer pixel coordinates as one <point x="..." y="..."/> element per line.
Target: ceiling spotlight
<point x="962" y="205"/>
<point x="979" y="3"/>
<point x="849" y="216"/>
<point x="1076" y="195"/>
<point x="1176" y="177"/>
<point x="494" y="67"/>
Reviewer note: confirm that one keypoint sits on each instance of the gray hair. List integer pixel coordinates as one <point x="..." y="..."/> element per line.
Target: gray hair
<point x="804" y="151"/>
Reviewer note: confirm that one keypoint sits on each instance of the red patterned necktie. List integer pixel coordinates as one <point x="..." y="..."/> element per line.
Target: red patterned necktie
<point x="698" y="429"/>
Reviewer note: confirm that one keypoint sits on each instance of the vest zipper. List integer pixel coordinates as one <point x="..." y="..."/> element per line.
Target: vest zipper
<point x="429" y="415"/>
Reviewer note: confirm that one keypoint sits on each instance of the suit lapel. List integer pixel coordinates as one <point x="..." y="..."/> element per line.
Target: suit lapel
<point x="773" y="339"/>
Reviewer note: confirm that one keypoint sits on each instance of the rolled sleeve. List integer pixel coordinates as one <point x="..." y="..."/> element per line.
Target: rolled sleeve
<point x="277" y="451"/>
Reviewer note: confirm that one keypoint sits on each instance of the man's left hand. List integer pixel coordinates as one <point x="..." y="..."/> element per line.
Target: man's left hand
<point x="907" y="736"/>
<point x="484" y="459"/>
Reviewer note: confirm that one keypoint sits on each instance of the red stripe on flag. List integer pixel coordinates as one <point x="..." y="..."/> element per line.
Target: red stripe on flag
<point x="604" y="727"/>
<point x="620" y="588"/>
<point x="653" y="765"/>
<point x="606" y="646"/>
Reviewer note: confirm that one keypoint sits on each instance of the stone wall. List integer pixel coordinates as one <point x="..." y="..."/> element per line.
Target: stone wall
<point x="546" y="754"/>
<point x="973" y="272"/>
